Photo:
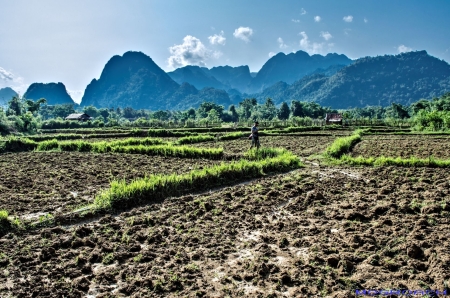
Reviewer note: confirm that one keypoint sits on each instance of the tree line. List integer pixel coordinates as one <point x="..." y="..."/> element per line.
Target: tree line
<point x="23" y="115"/>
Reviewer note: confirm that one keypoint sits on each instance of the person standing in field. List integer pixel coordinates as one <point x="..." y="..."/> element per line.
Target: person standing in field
<point x="255" y="136"/>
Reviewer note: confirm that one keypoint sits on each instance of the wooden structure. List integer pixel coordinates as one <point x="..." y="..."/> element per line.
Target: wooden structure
<point x="333" y="118"/>
<point x="79" y="117"/>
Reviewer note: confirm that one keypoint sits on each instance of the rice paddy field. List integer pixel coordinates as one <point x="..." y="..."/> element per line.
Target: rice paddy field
<point x="225" y="221"/>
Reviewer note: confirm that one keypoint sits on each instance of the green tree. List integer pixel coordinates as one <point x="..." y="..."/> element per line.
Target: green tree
<point x="63" y="110"/>
<point x="213" y="116"/>
<point x="205" y="107"/>
<point x="283" y="112"/>
<point x="91" y="111"/>
<point x="161" y="115"/>
<point x="104" y="113"/>
<point x="15" y="106"/>
<point x="233" y="113"/>
<point x="297" y="109"/>
<point x="34" y="107"/>
<point x="246" y="108"/>
<point x="268" y="109"/>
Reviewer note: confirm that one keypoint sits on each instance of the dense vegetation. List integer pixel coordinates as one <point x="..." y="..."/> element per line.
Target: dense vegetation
<point x="26" y="116"/>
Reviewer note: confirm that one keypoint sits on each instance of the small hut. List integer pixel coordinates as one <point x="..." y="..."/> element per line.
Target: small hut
<point x="79" y="117"/>
<point x="333" y="118"/>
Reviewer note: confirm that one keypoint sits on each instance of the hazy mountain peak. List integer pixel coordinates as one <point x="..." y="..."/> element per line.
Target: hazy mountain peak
<point x="54" y="93"/>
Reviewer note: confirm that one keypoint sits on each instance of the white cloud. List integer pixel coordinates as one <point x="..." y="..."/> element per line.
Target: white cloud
<point x="317" y="19"/>
<point x="243" y="33"/>
<point x="281" y="43"/>
<point x="308" y="46"/>
<point x="217" y="39"/>
<point x="9" y="79"/>
<point x="326" y="35"/>
<point x="303" y="11"/>
<point x="348" y="19"/>
<point x="295" y="21"/>
<point x="5" y="75"/>
<point x="403" y="49"/>
<point x="191" y="52"/>
<point x="366" y="20"/>
<point x="271" y="54"/>
<point x="347" y="31"/>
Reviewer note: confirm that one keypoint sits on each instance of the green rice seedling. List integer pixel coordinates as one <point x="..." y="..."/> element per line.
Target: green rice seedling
<point x="5" y="223"/>
<point x="15" y="144"/>
<point x="137" y="141"/>
<point x="168" y="150"/>
<point x="195" y="139"/>
<point x="48" y="145"/>
<point x="342" y="145"/>
<point x="233" y="136"/>
<point x="263" y="153"/>
<point x="3" y="215"/>
<point x="121" y="193"/>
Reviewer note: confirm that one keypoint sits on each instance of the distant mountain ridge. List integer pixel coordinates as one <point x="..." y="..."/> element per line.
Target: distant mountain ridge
<point x="6" y="94"/>
<point x="292" y="67"/>
<point x="370" y="81"/>
<point x="134" y="80"/>
<point x="54" y="93"/>
<point x="281" y="67"/>
<point x="221" y="77"/>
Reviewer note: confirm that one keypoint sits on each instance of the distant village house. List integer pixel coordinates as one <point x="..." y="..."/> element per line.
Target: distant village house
<point x="333" y="118"/>
<point x="79" y="117"/>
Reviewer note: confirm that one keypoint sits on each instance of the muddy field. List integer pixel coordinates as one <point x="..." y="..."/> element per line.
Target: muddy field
<point x="316" y="232"/>
<point x="403" y="146"/>
<point x="300" y="145"/>
<point x="42" y="182"/>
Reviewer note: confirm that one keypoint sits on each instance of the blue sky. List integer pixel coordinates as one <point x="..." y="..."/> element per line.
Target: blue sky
<point x="70" y="41"/>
